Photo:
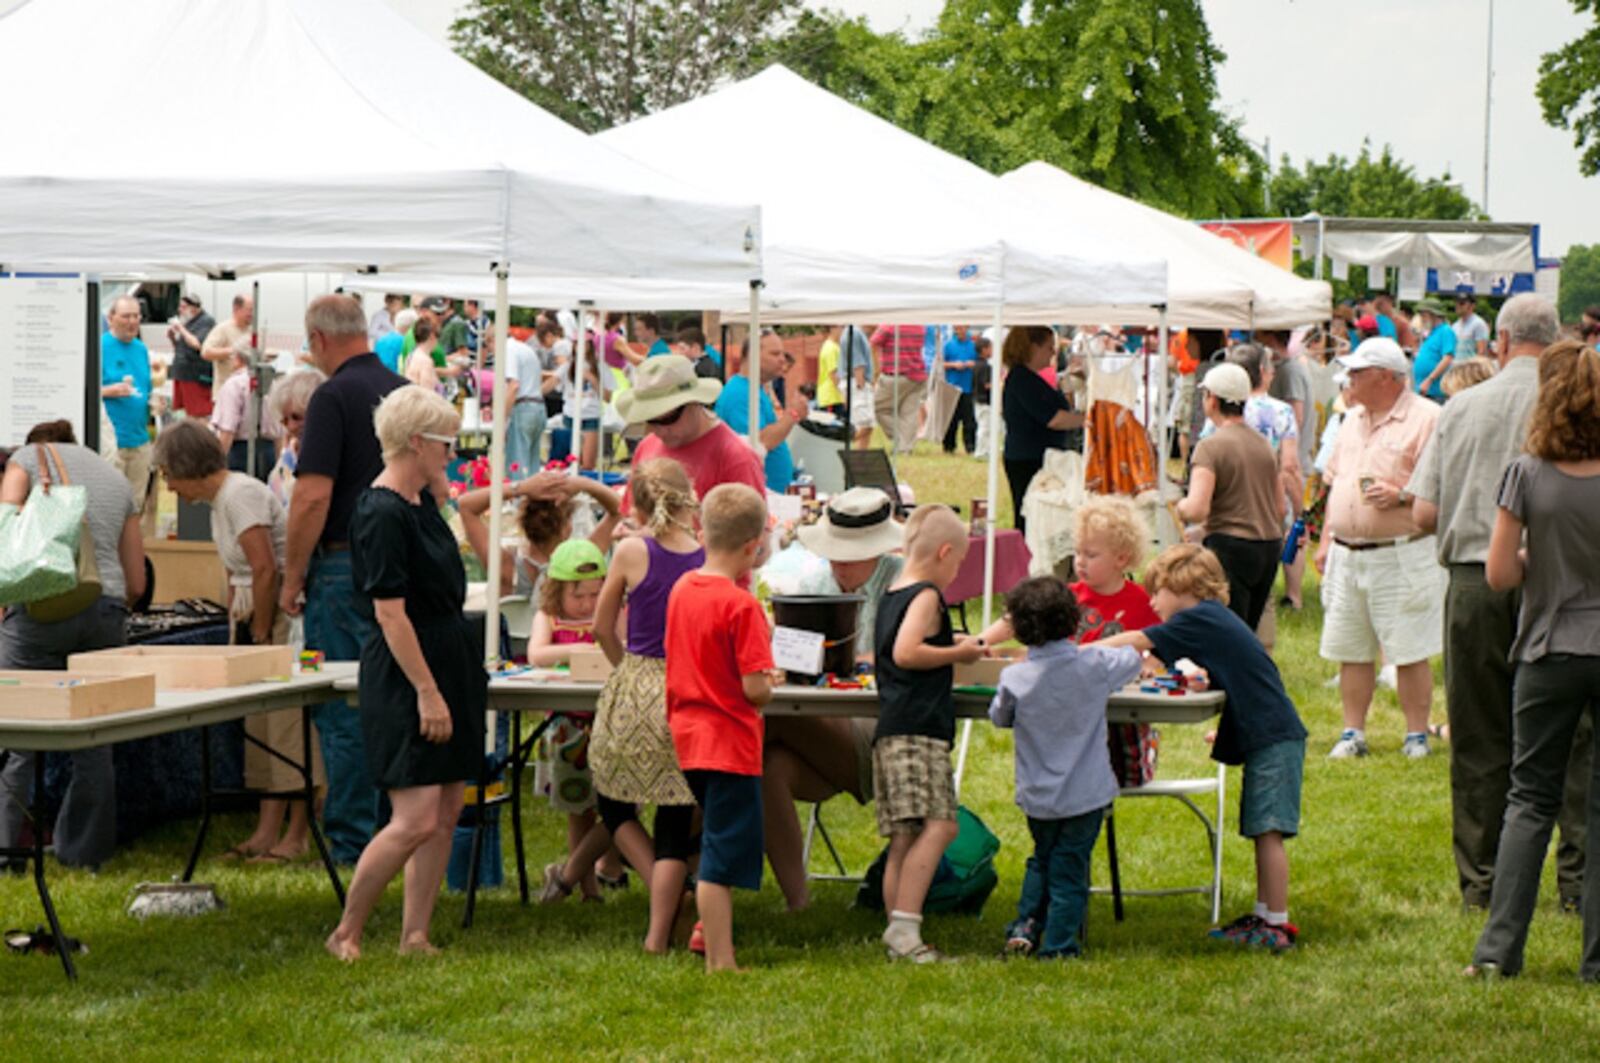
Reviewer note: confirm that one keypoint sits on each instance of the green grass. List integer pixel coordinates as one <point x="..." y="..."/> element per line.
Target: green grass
<point x="1373" y="892"/>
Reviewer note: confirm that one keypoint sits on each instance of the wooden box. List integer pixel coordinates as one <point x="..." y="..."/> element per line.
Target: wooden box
<point x="589" y="663"/>
<point x="72" y="695"/>
<point x="981" y="673"/>
<point x="186" y="570"/>
<point x="191" y="667"/>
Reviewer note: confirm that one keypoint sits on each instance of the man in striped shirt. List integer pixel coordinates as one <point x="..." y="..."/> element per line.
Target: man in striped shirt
<point x="902" y="382"/>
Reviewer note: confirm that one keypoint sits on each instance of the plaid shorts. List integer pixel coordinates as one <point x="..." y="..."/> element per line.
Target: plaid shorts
<point x="913" y="781"/>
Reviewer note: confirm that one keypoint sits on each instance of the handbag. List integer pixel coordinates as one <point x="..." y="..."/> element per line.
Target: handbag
<point x="39" y="542"/>
<point x="85" y="589"/>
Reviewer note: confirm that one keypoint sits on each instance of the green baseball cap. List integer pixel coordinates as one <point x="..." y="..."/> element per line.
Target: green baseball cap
<point x="1431" y="306"/>
<point x="576" y="560"/>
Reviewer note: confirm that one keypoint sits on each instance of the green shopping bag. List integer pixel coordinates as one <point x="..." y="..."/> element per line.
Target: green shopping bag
<point x="39" y="541"/>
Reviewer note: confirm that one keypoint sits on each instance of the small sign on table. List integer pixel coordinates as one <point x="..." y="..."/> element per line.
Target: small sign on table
<point x="799" y="651"/>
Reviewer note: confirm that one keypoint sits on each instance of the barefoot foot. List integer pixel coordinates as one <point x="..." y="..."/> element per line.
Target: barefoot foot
<point x="418" y="946"/>
<point x="342" y="948"/>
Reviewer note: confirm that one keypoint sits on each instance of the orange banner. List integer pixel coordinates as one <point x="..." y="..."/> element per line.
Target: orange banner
<point x="1271" y="240"/>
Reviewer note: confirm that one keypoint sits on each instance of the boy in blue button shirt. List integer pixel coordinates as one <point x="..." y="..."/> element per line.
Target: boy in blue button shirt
<point x="1056" y="700"/>
<point x="1259" y="728"/>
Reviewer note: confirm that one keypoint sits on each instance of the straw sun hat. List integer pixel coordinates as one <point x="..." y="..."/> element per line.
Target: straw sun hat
<point x="858" y="525"/>
<point x="662" y="384"/>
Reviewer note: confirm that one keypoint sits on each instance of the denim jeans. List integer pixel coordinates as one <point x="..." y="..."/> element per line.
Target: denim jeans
<point x="525" y="439"/>
<point x="86" y="826"/>
<point x="1055" y="888"/>
<point x="350" y="810"/>
<point x="1552" y="695"/>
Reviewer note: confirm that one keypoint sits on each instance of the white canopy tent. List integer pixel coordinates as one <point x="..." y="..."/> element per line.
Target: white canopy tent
<point x="325" y="136"/>
<point x="1464" y="246"/>
<point x="1210" y="282"/>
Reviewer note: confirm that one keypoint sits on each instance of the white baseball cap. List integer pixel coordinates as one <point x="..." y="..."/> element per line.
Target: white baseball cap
<point x="1228" y="382"/>
<point x="1377" y="352"/>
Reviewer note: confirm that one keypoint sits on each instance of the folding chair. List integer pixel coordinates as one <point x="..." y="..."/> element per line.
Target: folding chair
<point x="871" y="468"/>
<point x="814" y="828"/>
<point x="518" y="610"/>
<point x="1185" y="791"/>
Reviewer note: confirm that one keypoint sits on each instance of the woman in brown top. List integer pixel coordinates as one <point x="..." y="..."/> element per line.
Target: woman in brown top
<point x="1235" y="494"/>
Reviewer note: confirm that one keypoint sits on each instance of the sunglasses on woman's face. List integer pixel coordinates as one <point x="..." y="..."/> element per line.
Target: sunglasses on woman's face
<point x="667" y="418"/>
<point x="448" y="441"/>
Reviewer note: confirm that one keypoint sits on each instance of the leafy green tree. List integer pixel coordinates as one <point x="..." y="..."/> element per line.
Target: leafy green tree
<point x="1569" y="89"/>
<point x="600" y="63"/>
<point x="1120" y="92"/>
<point x="1580" y="280"/>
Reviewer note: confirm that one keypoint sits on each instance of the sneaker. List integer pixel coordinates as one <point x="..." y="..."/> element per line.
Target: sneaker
<point x="1571" y="905"/>
<point x="697" y="939"/>
<point x="609" y="883"/>
<point x="1349" y="744"/>
<point x="1488" y="970"/>
<point x="1235" y="932"/>
<point x="1271" y="937"/>
<point x="554" y="891"/>
<point x="1415" y="746"/>
<point x="1019" y="945"/>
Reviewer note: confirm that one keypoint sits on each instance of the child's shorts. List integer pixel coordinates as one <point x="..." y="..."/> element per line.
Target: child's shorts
<point x="561" y="772"/>
<point x="1270" y="798"/>
<point x="731" y="847"/>
<point x="913" y="782"/>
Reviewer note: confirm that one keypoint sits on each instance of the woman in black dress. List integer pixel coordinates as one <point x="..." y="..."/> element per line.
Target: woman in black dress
<point x="423" y="687"/>
<point x="1037" y="415"/>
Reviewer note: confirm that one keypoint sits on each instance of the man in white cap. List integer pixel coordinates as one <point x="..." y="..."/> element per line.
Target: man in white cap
<point x="810" y="758"/>
<point x="1382" y="589"/>
<point x="671" y="401"/>
<point x="1236" y="494"/>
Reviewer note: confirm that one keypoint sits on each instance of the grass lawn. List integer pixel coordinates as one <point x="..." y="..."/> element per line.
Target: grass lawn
<point x="1373" y="891"/>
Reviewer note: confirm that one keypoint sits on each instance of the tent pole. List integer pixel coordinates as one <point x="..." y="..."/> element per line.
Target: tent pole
<point x="988" y="532"/>
<point x="752" y="366"/>
<point x="1164" y="413"/>
<point x="849" y="380"/>
<point x="497" y="486"/>
<point x="601" y="368"/>
<point x="258" y="343"/>
<point x="575" y="417"/>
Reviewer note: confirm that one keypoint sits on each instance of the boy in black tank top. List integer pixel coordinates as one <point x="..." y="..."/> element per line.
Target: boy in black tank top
<point x="915" y="654"/>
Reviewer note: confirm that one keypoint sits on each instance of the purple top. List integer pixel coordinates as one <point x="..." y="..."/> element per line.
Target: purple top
<point x="647" y="603"/>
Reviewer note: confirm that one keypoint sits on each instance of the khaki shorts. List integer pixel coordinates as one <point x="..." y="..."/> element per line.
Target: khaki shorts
<point x="1388" y="600"/>
<point x="914" y="783"/>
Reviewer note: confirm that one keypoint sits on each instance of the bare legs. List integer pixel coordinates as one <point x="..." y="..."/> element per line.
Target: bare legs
<point x="1413" y="683"/>
<point x="1272" y="872"/>
<point x="805" y="760"/>
<point x="716" y="921"/>
<point x="416" y="839"/>
<point x="913" y="859"/>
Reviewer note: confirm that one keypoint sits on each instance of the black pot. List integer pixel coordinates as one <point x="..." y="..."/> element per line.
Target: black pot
<point x="833" y="616"/>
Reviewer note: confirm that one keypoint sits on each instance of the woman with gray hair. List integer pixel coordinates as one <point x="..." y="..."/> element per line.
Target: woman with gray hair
<point x="249" y="526"/>
<point x="286" y="407"/>
<point x="423" y="689"/>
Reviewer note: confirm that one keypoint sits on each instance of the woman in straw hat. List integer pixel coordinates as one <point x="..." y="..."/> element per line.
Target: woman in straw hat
<point x="812" y="759"/>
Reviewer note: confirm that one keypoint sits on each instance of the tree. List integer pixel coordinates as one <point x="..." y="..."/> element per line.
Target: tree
<point x="1368" y="187"/>
<point x="1569" y="89"/>
<point x="1120" y="92"/>
<point x="599" y="63"/>
<point x="1580" y="280"/>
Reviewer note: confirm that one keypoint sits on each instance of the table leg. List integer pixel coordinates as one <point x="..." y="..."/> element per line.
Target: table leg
<point x="1116" y="873"/>
<point x="515" y="766"/>
<point x="478" y="828"/>
<point x="205" y="804"/>
<point x="310" y="798"/>
<point x="37" y="856"/>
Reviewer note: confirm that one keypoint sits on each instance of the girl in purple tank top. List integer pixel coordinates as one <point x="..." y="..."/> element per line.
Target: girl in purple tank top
<point x="631" y="756"/>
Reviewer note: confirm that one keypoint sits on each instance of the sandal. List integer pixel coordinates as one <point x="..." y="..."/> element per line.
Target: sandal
<point x="270" y="857"/>
<point x="923" y="953"/>
<point x="239" y="852"/>
<point x="40" y="940"/>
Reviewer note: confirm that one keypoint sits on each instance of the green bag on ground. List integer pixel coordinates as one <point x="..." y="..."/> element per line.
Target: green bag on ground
<point x="965" y="876"/>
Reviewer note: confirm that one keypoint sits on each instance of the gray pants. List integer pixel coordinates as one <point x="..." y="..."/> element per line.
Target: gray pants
<point x="86" y="826"/>
<point x="1479" y="625"/>
<point x="1552" y="695"/>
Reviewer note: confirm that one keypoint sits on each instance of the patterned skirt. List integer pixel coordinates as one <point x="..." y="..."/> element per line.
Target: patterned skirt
<point x="1120" y="461"/>
<point x="631" y="756"/>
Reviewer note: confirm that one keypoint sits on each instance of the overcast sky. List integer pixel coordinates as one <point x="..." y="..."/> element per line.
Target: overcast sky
<point x="1318" y="76"/>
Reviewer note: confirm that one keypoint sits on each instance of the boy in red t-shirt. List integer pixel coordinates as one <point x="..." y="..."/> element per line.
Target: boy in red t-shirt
<point x="719" y="664"/>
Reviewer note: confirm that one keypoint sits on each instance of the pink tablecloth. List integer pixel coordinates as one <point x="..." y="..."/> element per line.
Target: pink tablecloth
<point x="1011" y="559"/>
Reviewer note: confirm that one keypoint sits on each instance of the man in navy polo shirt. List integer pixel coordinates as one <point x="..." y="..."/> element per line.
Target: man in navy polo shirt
<point x="339" y="458"/>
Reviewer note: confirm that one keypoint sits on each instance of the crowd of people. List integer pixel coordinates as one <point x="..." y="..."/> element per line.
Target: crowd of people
<point x="1409" y="458"/>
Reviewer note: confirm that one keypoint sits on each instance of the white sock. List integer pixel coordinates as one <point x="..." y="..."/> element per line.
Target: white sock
<point x="1358" y="733"/>
<point x="904" y="933"/>
<point x="1276" y="918"/>
<point x="1261" y="909"/>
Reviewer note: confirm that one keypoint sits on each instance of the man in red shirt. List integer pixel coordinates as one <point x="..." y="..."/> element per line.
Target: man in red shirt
<point x="902" y="382"/>
<point x="672" y="401"/>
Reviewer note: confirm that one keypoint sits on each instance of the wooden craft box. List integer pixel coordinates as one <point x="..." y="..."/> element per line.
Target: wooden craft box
<point x="981" y="673"/>
<point x="590" y="664"/>
<point x="72" y="695"/>
<point x="191" y="667"/>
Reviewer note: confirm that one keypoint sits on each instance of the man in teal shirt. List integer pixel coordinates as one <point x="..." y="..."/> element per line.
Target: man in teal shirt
<point x="733" y="407"/>
<point x="1437" y="352"/>
<point x="125" y="391"/>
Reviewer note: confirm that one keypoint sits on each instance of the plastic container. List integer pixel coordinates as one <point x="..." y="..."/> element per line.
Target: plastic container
<point x="833" y="616"/>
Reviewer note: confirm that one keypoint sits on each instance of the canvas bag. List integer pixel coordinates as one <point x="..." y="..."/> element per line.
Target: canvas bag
<point x="39" y="541"/>
<point x="85" y="589"/>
